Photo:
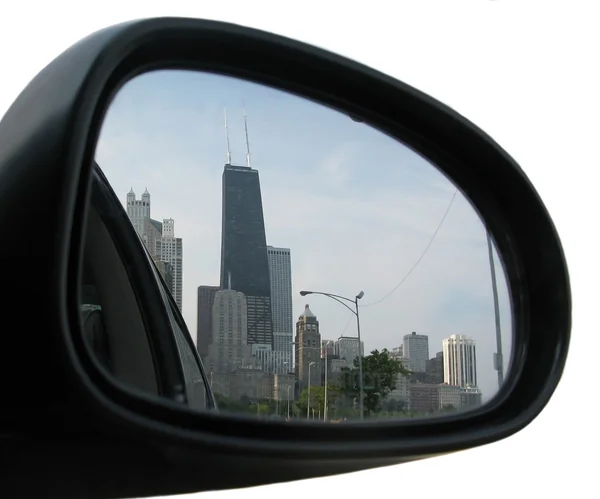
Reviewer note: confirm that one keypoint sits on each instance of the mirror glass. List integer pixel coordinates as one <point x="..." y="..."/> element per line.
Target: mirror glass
<point x="323" y="270"/>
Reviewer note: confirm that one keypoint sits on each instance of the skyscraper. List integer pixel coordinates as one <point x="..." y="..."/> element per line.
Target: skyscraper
<point x="170" y="249"/>
<point x="280" y="272"/>
<point x="244" y="262"/>
<point x="460" y="361"/>
<point x="308" y="350"/>
<point x="138" y="210"/>
<point x="159" y="238"/>
<point x="415" y="347"/>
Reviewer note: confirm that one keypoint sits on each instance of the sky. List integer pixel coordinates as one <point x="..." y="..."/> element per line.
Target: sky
<point x="357" y="208"/>
<point x="519" y="70"/>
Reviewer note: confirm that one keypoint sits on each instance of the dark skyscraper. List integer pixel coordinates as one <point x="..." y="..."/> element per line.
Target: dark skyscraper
<point x="244" y="261"/>
<point x="206" y="299"/>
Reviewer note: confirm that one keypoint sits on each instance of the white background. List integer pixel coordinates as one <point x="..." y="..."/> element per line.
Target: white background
<point x="524" y="71"/>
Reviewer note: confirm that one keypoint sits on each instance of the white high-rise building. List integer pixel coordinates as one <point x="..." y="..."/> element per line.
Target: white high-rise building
<point x="460" y="361"/>
<point x="138" y="210"/>
<point x="415" y="347"/>
<point x="170" y="249"/>
<point x="160" y="240"/>
<point x="280" y="273"/>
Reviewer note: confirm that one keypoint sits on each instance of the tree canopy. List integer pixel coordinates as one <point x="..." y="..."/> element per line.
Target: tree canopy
<point x="317" y="399"/>
<point x="380" y="374"/>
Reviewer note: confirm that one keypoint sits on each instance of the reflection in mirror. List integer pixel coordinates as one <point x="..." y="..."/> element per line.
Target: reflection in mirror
<point x="324" y="270"/>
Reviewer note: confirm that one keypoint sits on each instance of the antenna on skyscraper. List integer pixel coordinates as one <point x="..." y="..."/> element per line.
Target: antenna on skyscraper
<point x="229" y="280"/>
<point x="247" y="141"/>
<point x="227" y="138"/>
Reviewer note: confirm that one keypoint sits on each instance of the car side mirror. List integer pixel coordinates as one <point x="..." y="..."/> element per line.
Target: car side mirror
<point x="274" y="405"/>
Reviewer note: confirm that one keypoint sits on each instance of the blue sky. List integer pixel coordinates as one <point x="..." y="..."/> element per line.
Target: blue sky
<point x="356" y="208"/>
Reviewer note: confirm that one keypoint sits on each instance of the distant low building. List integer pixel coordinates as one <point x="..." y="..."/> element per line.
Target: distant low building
<point x="334" y="370"/>
<point x="470" y="398"/>
<point x="450" y="397"/>
<point x="254" y="384"/>
<point x="423" y="397"/>
<point x="434" y="398"/>
<point x="402" y="381"/>
<point x="347" y="348"/>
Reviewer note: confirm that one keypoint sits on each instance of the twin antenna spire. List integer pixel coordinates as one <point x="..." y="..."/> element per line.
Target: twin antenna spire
<point x="248" y="163"/>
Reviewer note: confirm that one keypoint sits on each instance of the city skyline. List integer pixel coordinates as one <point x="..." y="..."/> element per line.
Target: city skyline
<point x="325" y="179"/>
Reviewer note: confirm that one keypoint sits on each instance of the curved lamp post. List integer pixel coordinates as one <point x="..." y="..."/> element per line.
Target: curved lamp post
<point x="339" y="299"/>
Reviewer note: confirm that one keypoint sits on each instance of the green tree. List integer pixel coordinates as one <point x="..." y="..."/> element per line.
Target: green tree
<point x="264" y="410"/>
<point x="448" y="408"/>
<point x="392" y="406"/>
<point x="317" y="400"/>
<point x="380" y="373"/>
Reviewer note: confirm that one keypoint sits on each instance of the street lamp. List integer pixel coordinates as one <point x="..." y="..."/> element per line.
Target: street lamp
<point x="339" y="299"/>
<point x="300" y="346"/>
<point x="288" y="400"/>
<point x="308" y="398"/>
<point x="498" y="360"/>
<point x="325" y="397"/>
<point x="278" y="392"/>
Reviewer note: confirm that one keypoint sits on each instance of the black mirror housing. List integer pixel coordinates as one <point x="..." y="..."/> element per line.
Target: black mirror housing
<point x="47" y="143"/>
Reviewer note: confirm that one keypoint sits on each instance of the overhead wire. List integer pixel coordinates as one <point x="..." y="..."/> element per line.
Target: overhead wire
<point x="406" y="276"/>
<point x="347" y="324"/>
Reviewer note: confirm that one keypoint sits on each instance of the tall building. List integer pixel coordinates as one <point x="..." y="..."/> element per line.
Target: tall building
<point x="415" y="348"/>
<point x="138" y="210"/>
<point x="206" y="299"/>
<point x="244" y="261"/>
<point x="308" y="350"/>
<point x="166" y="271"/>
<point x="170" y="249"/>
<point x="229" y="349"/>
<point x="280" y="272"/>
<point x="159" y="238"/>
<point x="435" y="369"/>
<point x="460" y="361"/>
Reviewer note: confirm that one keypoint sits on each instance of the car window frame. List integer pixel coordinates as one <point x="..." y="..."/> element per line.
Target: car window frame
<point x="178" y="322"/>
